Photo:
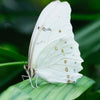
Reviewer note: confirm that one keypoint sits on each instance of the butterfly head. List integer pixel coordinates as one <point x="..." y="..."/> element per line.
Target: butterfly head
<point x="29" y="71"/>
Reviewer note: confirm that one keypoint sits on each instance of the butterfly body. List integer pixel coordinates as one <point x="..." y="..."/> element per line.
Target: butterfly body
<point x="53" y="53"/>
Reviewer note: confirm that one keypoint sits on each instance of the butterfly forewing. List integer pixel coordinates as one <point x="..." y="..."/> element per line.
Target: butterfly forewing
<point x="53" y="22"/>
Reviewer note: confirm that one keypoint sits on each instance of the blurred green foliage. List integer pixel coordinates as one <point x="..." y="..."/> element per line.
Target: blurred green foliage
<point x="17" y="20"/>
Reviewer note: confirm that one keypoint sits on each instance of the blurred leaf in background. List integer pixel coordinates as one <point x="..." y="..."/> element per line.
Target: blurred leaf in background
<point x="17" y="21"/>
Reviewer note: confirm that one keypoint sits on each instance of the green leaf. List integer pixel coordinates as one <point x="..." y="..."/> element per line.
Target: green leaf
<point x="10" y="55"/>
<point x="16" y="93"/>
<point x="12" y="63"/>
<point x="47" y="91"/>
<point x="9" y="71"/>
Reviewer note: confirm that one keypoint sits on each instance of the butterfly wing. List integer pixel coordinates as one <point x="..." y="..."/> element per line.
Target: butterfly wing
<point x="60" y="61"/>
<point x="54" y="22"/>
<point x="53" y="51"/>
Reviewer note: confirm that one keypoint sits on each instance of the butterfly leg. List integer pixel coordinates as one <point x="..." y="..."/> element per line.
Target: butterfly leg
<point x="23" y="76"/>
<point x="36" y="81"/>
<point x="32" y="85"/>
<point x="31" y="82"/>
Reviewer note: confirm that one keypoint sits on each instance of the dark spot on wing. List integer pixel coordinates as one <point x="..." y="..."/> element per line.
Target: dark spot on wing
<point x="38" y="27"/>
<point x="65" y="42"/>
<point x="59" y="31"/>
<point x="74" y="70"/>
<point x="74" y="62"/>
<point x="46" y="29"/>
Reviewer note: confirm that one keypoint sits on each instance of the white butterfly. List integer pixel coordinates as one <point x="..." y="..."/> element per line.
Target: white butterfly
<point x="53" y="52"/>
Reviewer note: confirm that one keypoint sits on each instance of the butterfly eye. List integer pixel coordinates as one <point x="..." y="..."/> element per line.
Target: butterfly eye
<point x="25" y="67"/>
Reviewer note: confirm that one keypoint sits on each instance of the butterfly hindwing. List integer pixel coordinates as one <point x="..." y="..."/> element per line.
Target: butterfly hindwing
<point x="60" y="61"/>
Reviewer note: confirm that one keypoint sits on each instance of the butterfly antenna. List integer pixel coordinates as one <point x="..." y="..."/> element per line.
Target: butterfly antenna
<point x="31" y="82"/>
